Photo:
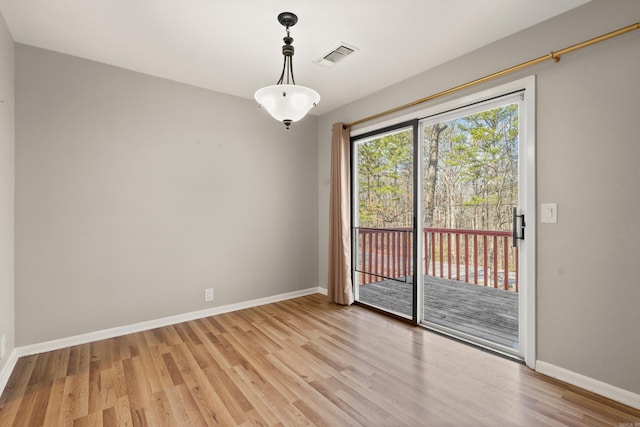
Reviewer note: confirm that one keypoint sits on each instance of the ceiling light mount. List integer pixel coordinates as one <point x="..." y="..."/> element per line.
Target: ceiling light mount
<point x="286" y="101"/>
<point x="288" y="19"/>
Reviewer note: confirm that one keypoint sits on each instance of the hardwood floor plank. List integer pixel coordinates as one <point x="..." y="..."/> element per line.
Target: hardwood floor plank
<point x="297" y="362"/>
<point x="138" y="388"/>
<point x="27" y="404"/>
<point x="304" y="364"/>
<point x="328" y="389"/>
<point x="267" y="372"/>
<point x="139" y="418"/>
<point x="314" y="403"/>
<point x="41" y="369"/>
<point x="113" y="349"/>
<point x="189" y="369"/>
<point x="162" y="409"/>
<point x="213" y="356"/>
<point x="157" y="373"/>
<point x="246" y="341"/>
<point x="235" y="401"/>
<point x="108" y="394"/>
<point x="322" y="358"/>
<point x="109" y="418"/>
<point x="151" y="373"/>
<point x="229" y="352"/>
<point x="236" y="320"/>
<point x="260" y="410"/>
<point x="172" y="368"/>
<point x="123" y="412"/>
<point x="118" y="380"/>
<point x="201" y="358"/>
<point x="217" y="327"/>
<point x="272" y="398"/>
<point x="187" y="334"/>
<point x="95" y="386"/>
<point x="52" y="414"/>
<point x="68" y="404"/>
<point x="408" y="409"/>
<point x="91" y="420"/>
<point x="184" y="407"/>
<point x="169" y="336"/>
<point x="40" y="404"/>
<point x="211" y="406"/>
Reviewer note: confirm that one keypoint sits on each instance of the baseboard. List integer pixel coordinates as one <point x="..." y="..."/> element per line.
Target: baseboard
<point x="603" y="389"/>
<point x="29" y="350"/>
<point x="5" y="373"/>
<point x="322" y="291"/>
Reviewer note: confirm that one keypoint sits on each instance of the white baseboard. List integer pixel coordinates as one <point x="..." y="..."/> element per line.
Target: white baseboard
<point x="607" y="390"/>
<point x="5" y="373"/>
<point x="322" y="291"/>
<point x="42" y="347"/>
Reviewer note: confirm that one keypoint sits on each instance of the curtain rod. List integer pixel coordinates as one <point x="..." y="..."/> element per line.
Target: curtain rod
<point x="552" y="55"/>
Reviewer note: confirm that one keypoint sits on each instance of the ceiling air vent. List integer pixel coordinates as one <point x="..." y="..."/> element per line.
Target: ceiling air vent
<point x="336" y="55"/>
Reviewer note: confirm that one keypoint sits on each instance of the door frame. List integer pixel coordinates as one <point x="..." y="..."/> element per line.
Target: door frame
<point x="527" y="197"/>
<point x="412" y="124"/>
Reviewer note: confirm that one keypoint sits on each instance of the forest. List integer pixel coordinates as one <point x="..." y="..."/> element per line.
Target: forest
<point x="470" y="174"/>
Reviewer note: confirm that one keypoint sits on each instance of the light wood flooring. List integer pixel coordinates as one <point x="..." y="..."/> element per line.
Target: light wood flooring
<point x="297" y="362"/>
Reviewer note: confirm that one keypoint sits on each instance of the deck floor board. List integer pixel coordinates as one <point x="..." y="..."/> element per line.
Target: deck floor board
<point x="487" y="313"/>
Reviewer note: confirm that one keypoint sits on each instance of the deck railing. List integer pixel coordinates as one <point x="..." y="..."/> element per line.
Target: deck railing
<point x="481" y="257"/>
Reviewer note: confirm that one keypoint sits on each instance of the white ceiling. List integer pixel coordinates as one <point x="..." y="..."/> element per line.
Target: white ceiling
<point x="234" y="46"/>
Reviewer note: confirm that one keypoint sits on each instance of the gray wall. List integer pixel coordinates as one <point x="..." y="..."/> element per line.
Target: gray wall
<point x="134" y="194"/>
<point x="6" y="189"/>
<point x="588" y="149"/>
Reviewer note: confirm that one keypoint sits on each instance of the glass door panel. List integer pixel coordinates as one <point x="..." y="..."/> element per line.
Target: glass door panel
<point x="470" y="185"/>
<point x="383" y="184"/>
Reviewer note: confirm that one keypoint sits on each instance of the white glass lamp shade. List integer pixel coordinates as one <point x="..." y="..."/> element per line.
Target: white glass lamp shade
<point x="287" y="103"/>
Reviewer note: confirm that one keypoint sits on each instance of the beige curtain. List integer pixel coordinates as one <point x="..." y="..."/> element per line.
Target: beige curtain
<point x="339" y="287"/>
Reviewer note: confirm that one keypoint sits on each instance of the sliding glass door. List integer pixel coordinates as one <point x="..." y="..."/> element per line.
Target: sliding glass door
<point x="438" y="221"/>
<point x="471" y="187"/>
<point x="383" y="195"/>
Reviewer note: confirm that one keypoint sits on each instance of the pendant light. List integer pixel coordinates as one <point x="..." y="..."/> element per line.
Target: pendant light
<point x="286" y="101"/>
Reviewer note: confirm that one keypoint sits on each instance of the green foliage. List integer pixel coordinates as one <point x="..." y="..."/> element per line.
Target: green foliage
<point x="471" y="173"/>
<point x="385" y="185"/>
<point x="486" y="145"/>
<point x="477" y="180"/>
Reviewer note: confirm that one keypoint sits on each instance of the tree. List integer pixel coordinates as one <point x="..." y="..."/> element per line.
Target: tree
<point x="470" y="173"/>
<point x="486" y="149"/>
<point x="432" y="141"/>
<point x="385" y="181"/>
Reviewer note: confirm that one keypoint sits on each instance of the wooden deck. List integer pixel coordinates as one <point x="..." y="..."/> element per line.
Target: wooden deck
<point x="487" y="313"/>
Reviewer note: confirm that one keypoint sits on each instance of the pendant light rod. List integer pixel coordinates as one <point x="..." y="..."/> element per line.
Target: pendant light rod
<point x="288" y="51"/>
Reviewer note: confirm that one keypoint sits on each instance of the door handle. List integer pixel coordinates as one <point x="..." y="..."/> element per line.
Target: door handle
<point x="514" y="229"/>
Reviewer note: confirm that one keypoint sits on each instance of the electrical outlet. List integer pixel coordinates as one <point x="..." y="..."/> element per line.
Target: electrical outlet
<point x="208" y="294"/>
<point x="3" y="345"/>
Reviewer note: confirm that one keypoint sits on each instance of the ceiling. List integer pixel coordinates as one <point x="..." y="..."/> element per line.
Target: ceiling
<point x="234" y="46"/>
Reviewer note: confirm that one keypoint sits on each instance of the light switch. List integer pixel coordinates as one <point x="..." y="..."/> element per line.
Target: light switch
<point x="549" y="213"/>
